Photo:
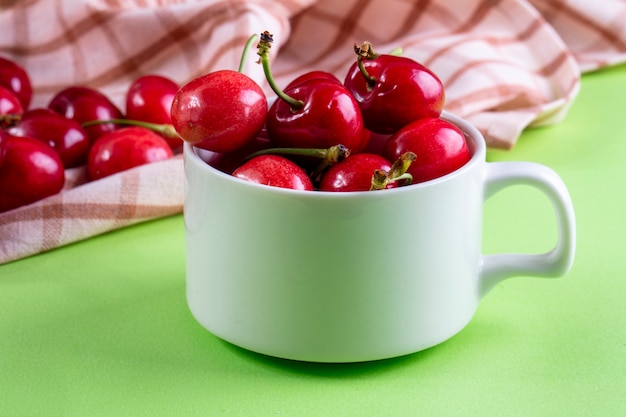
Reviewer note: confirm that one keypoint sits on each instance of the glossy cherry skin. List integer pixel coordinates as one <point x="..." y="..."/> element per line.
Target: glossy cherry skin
<point x="9" y="103"/>
<point x="149" y="99"/>
<point x="404" y="91"/>
<point x="220" y="111"/>
<point x="85" y="104"/>
<point x="65" y="136"/>
<point x="440" y="148"/>
<point x="330" y="116"/>
<point x="14" y="78"/>
<point x="313" y="75"/>
<point x="123" y="149"/>
<point x="30" y="171"/>
<point x="275" y="171"/>
<point x="354" y="173"/>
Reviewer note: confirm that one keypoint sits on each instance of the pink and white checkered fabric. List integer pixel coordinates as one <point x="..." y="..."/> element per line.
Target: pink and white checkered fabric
<point x="506" y="65"/>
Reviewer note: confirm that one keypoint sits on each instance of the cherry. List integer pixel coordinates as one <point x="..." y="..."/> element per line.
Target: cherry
<point x="9" y="103"/>
<point x="65" y="136"/>
<point x="149" y="99"/>
<point x="276" y="171"/>
<point x="30" y="171"/>
<point x="355" y="173"/>
<point x="14" y="78"/>
<point x="440" y="148"/>
<point x="315" y="113"/>
<point x="85" y="104"/>
<point x="229" y="161"/>
<point x="125" y="148"/>
<point x="393" y="91"/>
<point x="220" y="111"/>
<point x="312" y="75"/>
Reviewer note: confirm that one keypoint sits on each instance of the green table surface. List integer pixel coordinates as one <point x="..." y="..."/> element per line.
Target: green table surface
<point x="101" y="327"/>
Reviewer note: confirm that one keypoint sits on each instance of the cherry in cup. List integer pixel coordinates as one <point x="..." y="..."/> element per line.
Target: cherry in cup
<point x="9" y="103"/>
<point x="393" y="91"/>
<point x="314" y="112"/>
<point x="220" y="111"/>
<point x="440" y="148"/>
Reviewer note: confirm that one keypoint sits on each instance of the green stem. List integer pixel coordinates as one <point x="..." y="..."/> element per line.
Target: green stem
<point x="332" y="155"/>
<point x="264" y="46"/>
<point x="165" y="129"/>
<point x="246" y="49"/>
<point x="365" y="51"/>
<point x="397" y="173"/>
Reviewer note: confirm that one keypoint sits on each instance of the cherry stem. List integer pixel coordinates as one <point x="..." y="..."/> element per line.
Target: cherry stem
<point x="165" y="129"/>
<point x="264" y="46"/>
<point x="9" y="120"/>
<point x="365" y="51"/>
<point x="246" y="49"/>
<point x="397" y="173"/>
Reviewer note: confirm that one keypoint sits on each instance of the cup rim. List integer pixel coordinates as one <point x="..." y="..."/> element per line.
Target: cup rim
<point x="475" y="139"/>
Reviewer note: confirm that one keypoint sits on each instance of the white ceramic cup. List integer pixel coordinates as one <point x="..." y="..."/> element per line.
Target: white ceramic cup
<point x="348" y="277"/>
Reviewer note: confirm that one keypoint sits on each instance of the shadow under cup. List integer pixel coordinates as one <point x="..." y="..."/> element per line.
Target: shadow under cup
<point x="349" y="277"/>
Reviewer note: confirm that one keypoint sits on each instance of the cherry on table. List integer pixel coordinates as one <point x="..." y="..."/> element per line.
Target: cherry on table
<point x="15" y="78"/>
<point x="149" y="99"/>
<point x="65" y="136"/>
<point x="85" y="104"/>
<point x="125" y="148"/>
<point x="29" y="171"/>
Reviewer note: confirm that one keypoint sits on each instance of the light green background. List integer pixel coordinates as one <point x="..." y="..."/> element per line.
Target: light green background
<point x="101" y="328"/>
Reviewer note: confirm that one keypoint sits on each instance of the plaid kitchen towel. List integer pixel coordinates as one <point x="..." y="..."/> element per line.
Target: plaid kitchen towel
<point x="506" y="65"/>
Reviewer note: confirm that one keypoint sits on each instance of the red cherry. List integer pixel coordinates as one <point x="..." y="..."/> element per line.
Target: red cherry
<point x="65" y="136"/>
<point x="149" y="99"/>
<point x="220" y="111"/>
<point x="14" y="78"/>
<point x="399" y="91"/>
<point x="440" y="148"/>
<point x="9" y="103"/>
<point x="354" y="173"/>
<point x="30" y="171"/>
<point x="85" y="104"/>
<point x="316" y="112"/>
<point x="329" y="115"/>
<point x="313" y="75"/>
<point x="125" y="148"/>
<point x="276" y="171"/>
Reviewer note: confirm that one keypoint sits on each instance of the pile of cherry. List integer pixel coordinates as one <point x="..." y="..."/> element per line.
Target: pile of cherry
<point x="77" y="129"/>
<point x="379" y="128"/>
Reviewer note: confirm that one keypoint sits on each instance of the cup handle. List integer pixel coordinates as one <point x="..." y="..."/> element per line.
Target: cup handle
<point x="557" y="261"/>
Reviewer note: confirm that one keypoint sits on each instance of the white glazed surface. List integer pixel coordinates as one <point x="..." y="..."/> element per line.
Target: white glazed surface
<point x="346" y="277"/>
